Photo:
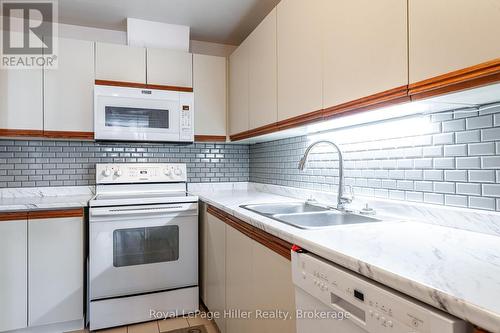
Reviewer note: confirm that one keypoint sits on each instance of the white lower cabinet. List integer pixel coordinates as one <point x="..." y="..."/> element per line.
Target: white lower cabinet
<point x="242" y="276"/>
<point x="55" y="270"/>
<point x="13" y="274"/>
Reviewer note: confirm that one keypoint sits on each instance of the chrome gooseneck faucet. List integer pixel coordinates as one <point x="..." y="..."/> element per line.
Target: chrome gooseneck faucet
<point x="342" y="198"/>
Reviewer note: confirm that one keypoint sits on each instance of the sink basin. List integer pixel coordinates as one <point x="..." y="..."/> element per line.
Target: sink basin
<point x="306" y="216"/>
<point x="284" y="208"/>
<point x="322" y="219"/>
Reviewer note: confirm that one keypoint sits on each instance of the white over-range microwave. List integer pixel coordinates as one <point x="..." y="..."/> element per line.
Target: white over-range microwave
<point x="136" y="114"/>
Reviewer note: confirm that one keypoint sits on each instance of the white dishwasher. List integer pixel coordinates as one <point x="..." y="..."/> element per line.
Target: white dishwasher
<point x="331" y="299"/>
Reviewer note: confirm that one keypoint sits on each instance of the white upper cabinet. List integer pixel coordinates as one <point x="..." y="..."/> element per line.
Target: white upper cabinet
<point x="238" y="89"/>
<point x="210" y="98"/>
<point x="120" y="63"/>
<point x="68" y="90"/>
<point x="450" y="35"/>
<point x="299" y="57"/>
<point x="21" y="99"/>
<point x="262" y="107"/>
<point x="364" y="48"/>
<point x="169" y="68"/>
<point x="13" y="275"/>
<point x="55" y="270"/>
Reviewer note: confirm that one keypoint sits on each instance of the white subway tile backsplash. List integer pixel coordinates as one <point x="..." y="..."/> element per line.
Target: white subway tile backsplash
<point x="491" y="190"/>
<point x="389" y="183"/>
<point x="433" y="175"/>
<point x="489" y="109"/>
<point x="479" y="122"/>
<point x="405" y="164"/>
<point x="453" y="125"/>
<point x="404" y="185"/>
<point x="482" y="203"/>
<point x="444" y="163"/>
<point x="443" y="139"/>
<point x="381" y="193"/>
<point x="444" y="187"/>
<point x="414" y="174"/>
<point x="497" y="120"/>
<point x="490" y="162"/>
<point x="433" y="151"/>
<point x="455" y="150"/>
<point x="490" y="134"/>
<point x="468" y="136"/>
<point x="423" y="163"/>
<point x="455" y="175"/>
<point x="397" y="195"/>
<point x="465" y="113"/>
<point x="498" y="204"/>
<point x="468" y="188"/>
<point x="434" y="198"/>
<point x="485" y="148"/>
<point x="442" y="116"/>
<point x="397" y="174"/>
<point x="455" y="200"/>
<point x="424" y="186"/>
<point x="468" y="163"/>
<point x="482" y="176"/>
<point x="415" y="196"/>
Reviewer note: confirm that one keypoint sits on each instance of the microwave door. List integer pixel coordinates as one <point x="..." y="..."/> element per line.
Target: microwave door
<point x="134" y="119"/>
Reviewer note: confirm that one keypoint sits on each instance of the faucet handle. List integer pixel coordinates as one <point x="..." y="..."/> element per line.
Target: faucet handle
<point x="348" y="196"/>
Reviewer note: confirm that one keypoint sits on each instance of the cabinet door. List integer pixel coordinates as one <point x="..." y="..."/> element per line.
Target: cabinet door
<point x="209" y="75"/>
<point x="68" y="90"/>
<point x="239" y="280"/>
<point x="447" y="35"/>
<point x="215" y="269"/>
<point x="116" y="62"/>
<point x="299" y="57"/>
<point x="21" y="99"/>
<point x="55" y="270"/>
<point x="273" y="288"/>
<point x="262" y="107"/>
<point x="238" y="89"/>
<point x="365" y="48"/>
<point x="169" y="68"/>
<point x="13" y="275"/>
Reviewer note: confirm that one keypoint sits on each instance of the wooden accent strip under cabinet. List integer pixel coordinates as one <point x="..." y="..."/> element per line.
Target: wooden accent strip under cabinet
<point x="272" y="242"/>
<point x="141" y="85"/>
<point x="466" y="78"/>
<point x="210" y="138"/>
<point x="49" y="214"/>
<point x="68" y="135"/>
<point x="13" y="216"/>
<point x="383" y="99"/>
<point x="21" y="132"/>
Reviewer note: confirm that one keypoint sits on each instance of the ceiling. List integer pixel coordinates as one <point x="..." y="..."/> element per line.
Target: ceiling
<point x="218" y="21"/>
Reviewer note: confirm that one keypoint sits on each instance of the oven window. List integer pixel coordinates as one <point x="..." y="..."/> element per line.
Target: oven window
<point x="116" y="116"/>
<point x="139" y="246"/>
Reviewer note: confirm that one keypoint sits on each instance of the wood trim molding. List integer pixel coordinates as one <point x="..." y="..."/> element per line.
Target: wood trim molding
<point x="272" y="242"/>
<point x="49" y="214"/>
<point x="466" y="78"/>
<point x="383" y="99"/>
<point x="141" y="85"/>
<point x="210" y="138"/>
<point x="21" y="132"/>
<point x="13" y="216"/>
<point x="304" y="119"/>
<point x="273" y="127"/>
<point x="68" y="135"/>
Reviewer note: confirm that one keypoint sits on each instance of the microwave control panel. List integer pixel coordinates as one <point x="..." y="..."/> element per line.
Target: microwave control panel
<point x="186" y="127"/>
<point x="125" y="173"/>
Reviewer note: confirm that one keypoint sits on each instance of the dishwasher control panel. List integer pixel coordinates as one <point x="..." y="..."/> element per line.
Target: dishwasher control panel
<point x="370" y="305"/>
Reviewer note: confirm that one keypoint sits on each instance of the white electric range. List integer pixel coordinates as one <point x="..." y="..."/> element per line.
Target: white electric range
<point x="143" y="244"/>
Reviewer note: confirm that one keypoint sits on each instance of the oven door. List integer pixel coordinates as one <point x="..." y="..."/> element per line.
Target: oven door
<point x="141" y="249"/>
<point x="132" y="114"/>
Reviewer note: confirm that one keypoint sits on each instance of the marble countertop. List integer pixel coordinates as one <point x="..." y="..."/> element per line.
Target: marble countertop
<point x="29" y="199"/>
<point x="452" y="269"/>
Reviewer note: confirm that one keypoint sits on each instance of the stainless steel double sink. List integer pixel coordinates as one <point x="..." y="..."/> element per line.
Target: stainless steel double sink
<point x="304" y="215"/>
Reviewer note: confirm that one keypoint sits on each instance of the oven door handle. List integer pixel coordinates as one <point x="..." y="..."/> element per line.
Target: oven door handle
<point x="146" y="210"/>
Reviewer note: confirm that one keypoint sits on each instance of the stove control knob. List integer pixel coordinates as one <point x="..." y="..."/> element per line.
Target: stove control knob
<point x="178" y="172"/>
<point x="106" y="172"/>
<point x="167" y="172"/>
<point x="118" y="173"/>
